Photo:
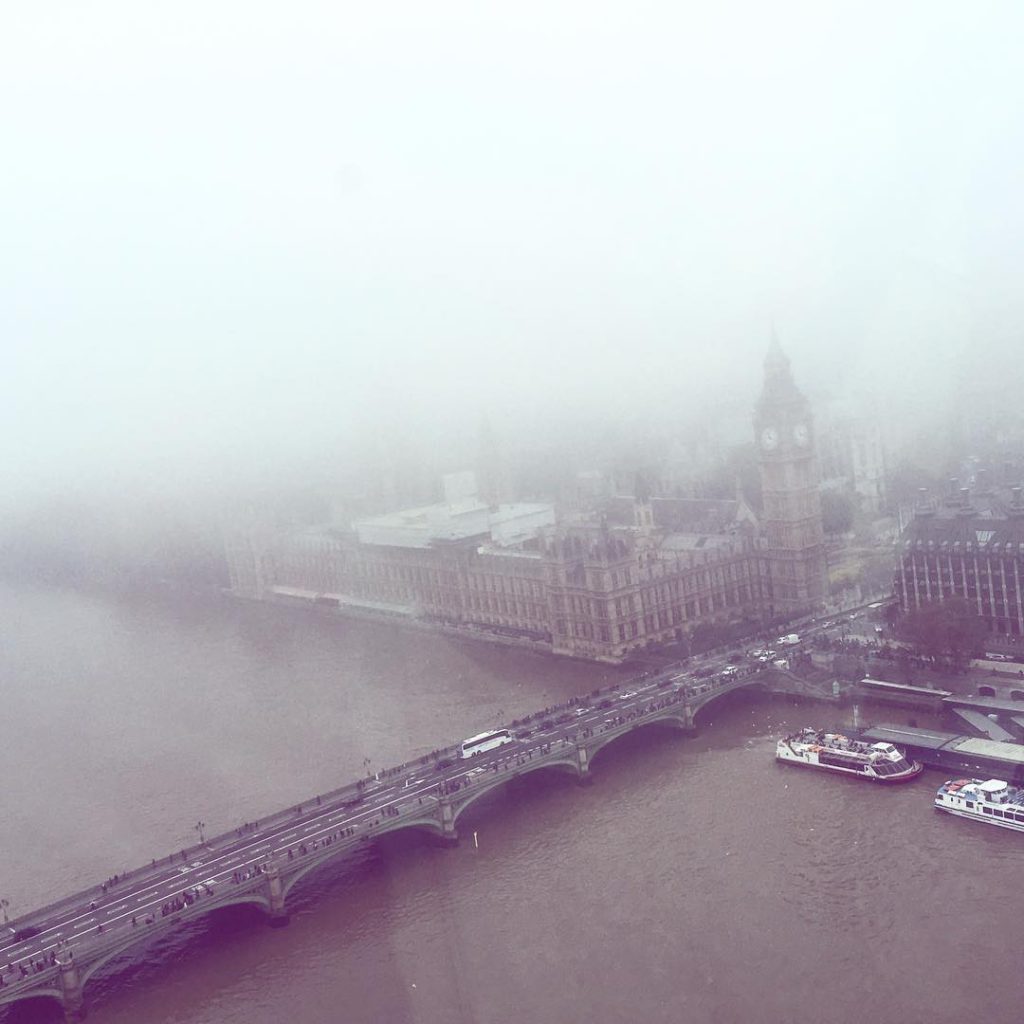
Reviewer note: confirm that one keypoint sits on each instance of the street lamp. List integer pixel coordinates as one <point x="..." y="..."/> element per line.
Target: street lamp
<point x="199" y="826"/>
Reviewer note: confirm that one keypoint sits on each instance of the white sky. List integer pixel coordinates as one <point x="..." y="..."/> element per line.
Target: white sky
<point x="243" y="227"/>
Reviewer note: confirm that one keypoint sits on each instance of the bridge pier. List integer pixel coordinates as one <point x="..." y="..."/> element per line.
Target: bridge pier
<point x="449" y="835"/>
<point x="71" y="988"/>
<point x="275" y="896"/>
<point x="583" y="767"/>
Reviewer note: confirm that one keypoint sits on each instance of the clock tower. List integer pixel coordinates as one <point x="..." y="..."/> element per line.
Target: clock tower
<point x="791" y="518"/>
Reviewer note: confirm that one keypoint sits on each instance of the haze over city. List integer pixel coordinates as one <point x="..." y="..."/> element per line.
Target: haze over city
<point x="461" y="460"/>
<point x="237" y="237"/>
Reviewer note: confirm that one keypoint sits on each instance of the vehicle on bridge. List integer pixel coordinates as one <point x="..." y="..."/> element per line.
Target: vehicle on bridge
<point x="879" y="762"/>
<point x="484" y="742"/>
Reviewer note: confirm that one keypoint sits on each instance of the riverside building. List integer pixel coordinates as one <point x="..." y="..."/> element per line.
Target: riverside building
<point x="966" y="545"/>
<point x="634" y="573"/>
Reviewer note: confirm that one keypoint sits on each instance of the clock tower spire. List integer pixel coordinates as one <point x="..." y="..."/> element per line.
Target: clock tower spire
<point x="789" y="480"/>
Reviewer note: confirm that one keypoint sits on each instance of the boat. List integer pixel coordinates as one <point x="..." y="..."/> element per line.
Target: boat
<point x="992" y="801"/>
<point x="833" y="752"/>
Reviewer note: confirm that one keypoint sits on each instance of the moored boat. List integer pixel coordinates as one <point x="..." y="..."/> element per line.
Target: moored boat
<point x="831" y="751"/>
<point x="992" y="801"/>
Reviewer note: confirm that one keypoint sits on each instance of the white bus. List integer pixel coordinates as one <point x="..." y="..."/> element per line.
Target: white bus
<point x="484" y="742"/>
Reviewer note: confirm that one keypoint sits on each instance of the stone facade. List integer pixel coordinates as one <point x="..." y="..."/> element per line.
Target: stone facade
<point x="967" y="548"/>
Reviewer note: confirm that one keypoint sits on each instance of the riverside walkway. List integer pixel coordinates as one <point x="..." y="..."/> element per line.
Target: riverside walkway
<point x="55" y="950"/>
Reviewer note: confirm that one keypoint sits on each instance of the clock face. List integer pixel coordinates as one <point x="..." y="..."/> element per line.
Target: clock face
<point x="802" y="435"/>
<point x="769" y="438"/>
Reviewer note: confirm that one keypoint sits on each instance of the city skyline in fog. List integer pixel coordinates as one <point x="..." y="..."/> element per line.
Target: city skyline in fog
<point x="237" y="237"/>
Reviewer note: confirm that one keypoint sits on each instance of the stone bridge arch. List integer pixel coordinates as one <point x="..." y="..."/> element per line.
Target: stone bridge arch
<point x="323" y="854"/>
<point x="704" y="700"/>
<point x="562" y="764"/>
<point x="675" y="717"/>
<point x="144" y="932"/>
<point x="9" y="999"/>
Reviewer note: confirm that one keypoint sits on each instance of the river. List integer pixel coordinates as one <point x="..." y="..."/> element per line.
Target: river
<point x="694" y="881"/>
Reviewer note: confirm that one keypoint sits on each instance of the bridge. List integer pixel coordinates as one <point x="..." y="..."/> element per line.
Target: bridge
<point x="55" y="950"/>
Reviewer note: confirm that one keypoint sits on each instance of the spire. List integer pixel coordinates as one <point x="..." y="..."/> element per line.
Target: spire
<point x="779" y="385"/>
<point x="776" y="363"/>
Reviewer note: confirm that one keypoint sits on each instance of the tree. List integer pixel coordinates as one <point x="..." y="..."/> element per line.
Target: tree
<point x="948" y="629"/>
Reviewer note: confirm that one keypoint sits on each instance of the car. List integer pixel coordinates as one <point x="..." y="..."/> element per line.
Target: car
<point x="353" y="802"/>
<point x="523" y="734"/>
<point x="789" y="640"/>
<point x="581" y="711"/>
<point x="412" y="782"/>
<point x="703" y="673"/>
<point x="662" y="683"/>
<point x="605" y="704"/>
<point x="445" y="762"/>
<point x="30" y="931"/>
<point x="997" y="657"/>
<point x="627" y="695"/>
<point x="730" y="671"/>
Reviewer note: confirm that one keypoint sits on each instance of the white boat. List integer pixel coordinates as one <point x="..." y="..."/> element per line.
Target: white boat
<point x="833" y="752"/>
<point x="991" y="801"/>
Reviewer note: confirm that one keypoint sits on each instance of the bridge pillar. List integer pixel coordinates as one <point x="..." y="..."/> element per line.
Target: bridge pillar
<point x="583" y="766"/>
<point x="275" y="896"/>
<point x="71" y="988"/>
<point x="449" y="834"/>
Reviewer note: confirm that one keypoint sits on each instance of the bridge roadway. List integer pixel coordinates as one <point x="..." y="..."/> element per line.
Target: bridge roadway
<point x="55" y="950"/>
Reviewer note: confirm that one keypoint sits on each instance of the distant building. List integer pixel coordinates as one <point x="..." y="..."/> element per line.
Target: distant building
<point x="966" y="546"/>
<point x="853" y="459"/>
<point x="615" y="576"/>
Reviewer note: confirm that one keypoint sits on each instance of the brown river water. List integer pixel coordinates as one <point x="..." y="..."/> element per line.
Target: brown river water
<point x="695" y="880"/>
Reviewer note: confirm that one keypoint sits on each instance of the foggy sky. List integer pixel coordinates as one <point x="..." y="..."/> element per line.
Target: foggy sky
<point x="236" y="230"/>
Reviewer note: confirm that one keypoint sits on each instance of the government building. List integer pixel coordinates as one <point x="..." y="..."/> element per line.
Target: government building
<point x="967" y="544"/>
<point x="634" y="573"/>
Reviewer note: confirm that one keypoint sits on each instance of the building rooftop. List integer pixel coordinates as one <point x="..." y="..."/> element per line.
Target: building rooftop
<point x="467" y="520"/>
